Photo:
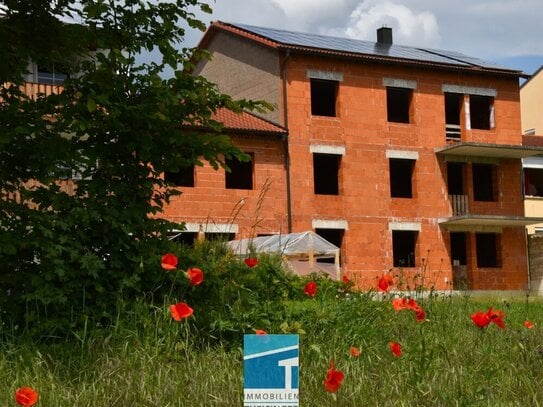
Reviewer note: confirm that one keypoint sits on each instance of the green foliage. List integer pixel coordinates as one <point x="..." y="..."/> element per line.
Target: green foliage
<point x="68" y="249"/>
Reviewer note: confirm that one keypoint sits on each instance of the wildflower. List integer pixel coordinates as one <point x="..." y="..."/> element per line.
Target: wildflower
<point x="496" y="317"/>
<point x="260" y="332"/>
<point x="180" y="311"/>
<point x="385" y="282"/>
<point x="311" y="289"/>
<point x="26" y="396"/>
<point x="251" y="262"/>
<point x="169" y="261"/>
<point x="402" y="303"/>
<point x="529" y="324"/>
<point x="480" y="319"/>
<point x="345" y="279"/>
<point x="333" y="379"/>
<point x="354" y="351"/>
<point x="395" y="348"/>
<point x="195" y="275"/>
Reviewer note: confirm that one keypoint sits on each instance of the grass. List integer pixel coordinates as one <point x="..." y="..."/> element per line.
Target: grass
<point x="148" y="360"/>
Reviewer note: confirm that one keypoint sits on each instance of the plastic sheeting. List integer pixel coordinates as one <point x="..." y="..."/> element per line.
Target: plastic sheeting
<point x="290" y="245"/>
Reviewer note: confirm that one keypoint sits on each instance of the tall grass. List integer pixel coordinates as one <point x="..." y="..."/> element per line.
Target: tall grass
<point x="146" y="359"/>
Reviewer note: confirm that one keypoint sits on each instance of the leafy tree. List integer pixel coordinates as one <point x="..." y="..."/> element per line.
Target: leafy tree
<point x="67" y="250"/>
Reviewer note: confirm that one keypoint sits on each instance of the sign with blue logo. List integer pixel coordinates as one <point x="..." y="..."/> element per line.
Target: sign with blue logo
<point x="270" y="370"/>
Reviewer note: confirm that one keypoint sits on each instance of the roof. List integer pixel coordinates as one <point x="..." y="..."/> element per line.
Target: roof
<point x="348" y="47"/>
<point x="246" y="122"/>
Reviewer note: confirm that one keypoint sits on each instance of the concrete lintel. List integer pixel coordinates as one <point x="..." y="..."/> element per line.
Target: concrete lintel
<point x="330" y="224"/>
<point x="211" y="227"/>
<point x="326" y="75"/>
<point x="402" y="154"/>
<point x="399" y="83"/>
<point x="469" y="90"/>
<point x="413" y="226"/>
<point x="327" y="149"/>
<point x="474" y="228"/>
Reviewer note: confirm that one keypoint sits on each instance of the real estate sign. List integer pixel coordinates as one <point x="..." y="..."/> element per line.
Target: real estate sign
<point x="270" y="370"/>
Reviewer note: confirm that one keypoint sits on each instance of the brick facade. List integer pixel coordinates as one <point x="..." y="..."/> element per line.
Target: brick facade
<point x="365" y="143"/>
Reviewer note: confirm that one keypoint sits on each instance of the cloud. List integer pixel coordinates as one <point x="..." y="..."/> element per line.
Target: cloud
<point x="417" y="28"/>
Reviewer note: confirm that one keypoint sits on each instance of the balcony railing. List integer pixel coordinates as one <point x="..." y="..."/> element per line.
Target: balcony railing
<point x="32" y="90"/>
<point x="453" y="132"/>
<point x="459" y="204"/>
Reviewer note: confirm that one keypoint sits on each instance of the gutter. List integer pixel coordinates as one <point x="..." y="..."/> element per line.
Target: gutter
<point x="285" y="141"/>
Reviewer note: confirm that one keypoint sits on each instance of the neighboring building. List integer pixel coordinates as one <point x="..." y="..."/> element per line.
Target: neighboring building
<point x="408" y="159"/>
<point x="531" y="104"/>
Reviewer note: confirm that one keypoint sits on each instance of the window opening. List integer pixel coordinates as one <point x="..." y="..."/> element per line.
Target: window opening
<point x="403" y="248"/>
<point x="182" y="178"/>
<point x="323" y="97"/>
<point x="533" y="181"/>
<point x="487" y="250"/>
<point x="401" y="174"/>
<point x="398" y="104"/>
<point x="334" y="236"/>
<point x="458" y="249"/>
<point x="453" y="109"/>
<point x="240" y="175"/>
<point x="455" y="178"/>
<point x="54" y="76"/>
<point x="483" y="182"/>
<point x="326" y="173"/>
<point x="481" y="112"/>
<point x="184" y="238"/>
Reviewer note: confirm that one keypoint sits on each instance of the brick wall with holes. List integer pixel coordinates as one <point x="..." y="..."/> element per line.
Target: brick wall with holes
<point x="261" y="209"/>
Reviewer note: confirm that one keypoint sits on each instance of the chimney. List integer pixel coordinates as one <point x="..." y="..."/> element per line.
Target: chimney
<point x="384" y="35"/>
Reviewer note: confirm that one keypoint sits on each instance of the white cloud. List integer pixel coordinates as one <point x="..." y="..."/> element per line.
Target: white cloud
<point x="409" y="27"/>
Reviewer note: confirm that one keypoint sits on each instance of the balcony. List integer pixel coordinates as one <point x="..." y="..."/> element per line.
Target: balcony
<point x="453" y="133"/>
<point x="459" y="204"/>
<point x="33" y="90"/>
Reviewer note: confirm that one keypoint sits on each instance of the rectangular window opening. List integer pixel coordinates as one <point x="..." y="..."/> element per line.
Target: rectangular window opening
<point x="401" y="174"/>
<point x="326" y="173"/>
<point x="484" y="176"/>
<point x="240" y="175"/>
<point x="533" y="181"/>
<point x="182" y="178"/>
<point x="458" y="249"/>
<point x="51" y="76"/>
<point x="184" y="238"/>
<point x="323" y="97"/>
<point x="453" y="109"/>
<point x="399" y="104"/>
<point x="334" y="236"/>
<point x="481" y="112"/>
<point x="403" y="248"/>
<point x="455" y="178"/>
<point x="221" y="237"/>
<point x="487" y="247"/>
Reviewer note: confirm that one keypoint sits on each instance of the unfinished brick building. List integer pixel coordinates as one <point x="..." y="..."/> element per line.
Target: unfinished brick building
<point x="408" y="159"/>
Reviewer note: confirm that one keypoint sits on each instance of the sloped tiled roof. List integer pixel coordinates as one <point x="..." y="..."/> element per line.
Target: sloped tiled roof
<point x="246" y="122"/>
<point x="313" y="43"/>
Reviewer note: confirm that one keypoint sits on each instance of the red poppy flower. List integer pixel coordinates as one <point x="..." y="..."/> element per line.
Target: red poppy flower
<point x="26" y="396"/>
<point x="528" y="324"/>
<point x="195" y="275"/>
<point x="420" y="314"/>
<point x="481" y="319"/>
<point x="400" y="303"/>
<point x="251" y="261"/>
<point x="395" y="348"/>
<point x="333" y="379"/>
<point x="260" y="332"/>
<point x="496" y="317"/>
<point x="345" y="279"/>
<point x="355" y="352"/>
<point x="169" y="261"/>
<point x="311" y="289"/>
<point x="180" y="311"/>
<point x="385" y="283"/>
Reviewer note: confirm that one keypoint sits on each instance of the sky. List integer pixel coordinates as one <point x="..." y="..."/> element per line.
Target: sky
<point x="508" y="32"/>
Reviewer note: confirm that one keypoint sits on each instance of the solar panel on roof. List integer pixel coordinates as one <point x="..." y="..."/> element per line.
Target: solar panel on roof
<point x="291" y="38"/>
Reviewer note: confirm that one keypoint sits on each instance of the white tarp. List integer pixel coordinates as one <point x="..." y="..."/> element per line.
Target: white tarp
<point x="300" y="249"/>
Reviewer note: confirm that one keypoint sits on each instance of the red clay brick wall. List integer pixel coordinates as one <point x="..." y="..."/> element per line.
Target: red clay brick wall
<point x="364" y="200"/>
<point x="210" y="202"/>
